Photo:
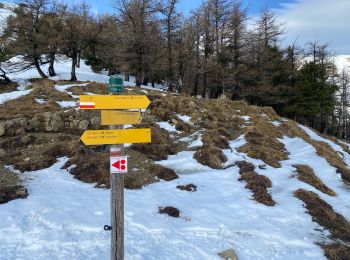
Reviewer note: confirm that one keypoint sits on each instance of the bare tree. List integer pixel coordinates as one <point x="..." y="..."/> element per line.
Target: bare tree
<point x="135" y="17"/>
<point x="171" y="23"/>
<point x="24" y="34"/>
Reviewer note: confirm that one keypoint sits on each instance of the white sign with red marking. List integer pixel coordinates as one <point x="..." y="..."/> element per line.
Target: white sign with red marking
<point x="119" y="164"/>
<point x="85" y="105"/>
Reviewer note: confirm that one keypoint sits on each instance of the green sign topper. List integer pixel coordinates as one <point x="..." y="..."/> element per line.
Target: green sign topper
<point x="115" y="84"/>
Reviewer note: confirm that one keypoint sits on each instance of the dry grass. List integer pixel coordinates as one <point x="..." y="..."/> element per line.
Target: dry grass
<point x="91" y="168"/>
<point x="8" y="87"/>
<point x="257" y="183"/>
<point x="214" y="138"/>
<point x="307" y="175"/>
<point x="262" y="144"/>
<point x="336" y="251"/>
<point x="10" y="186"/>
<point x="210" y="156"/>
<point x="339" y="227"/>
<point x="170" y="211"/>
<point x="164" y="173"/>
<point x="160" y="147"/>
<point x="26" y="106"/>
<point x="37" y="151"/>
<point x="189" y="187"/>
<point x="323" y="214"/>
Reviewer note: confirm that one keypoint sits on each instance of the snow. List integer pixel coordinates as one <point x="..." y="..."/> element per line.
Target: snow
<point x="40" y="101"/>
<point x="61" y="219"/>
<point x="186" y="119"/>
<point x="276" y="123"/>
<point x="63" y="88"/>
<point x="63" y="70"/>
<point x="65" y="104"/>
<point x="167" y="126"/>
<point x="246" y="118"/>
<point x="342" y="62"/>
<point x="13" y="95"/>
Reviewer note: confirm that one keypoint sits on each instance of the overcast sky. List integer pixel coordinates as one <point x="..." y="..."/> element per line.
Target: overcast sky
<point x="327" y="21"/>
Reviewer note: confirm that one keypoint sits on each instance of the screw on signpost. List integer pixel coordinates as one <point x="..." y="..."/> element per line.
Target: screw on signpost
<point x="117" y="185"/>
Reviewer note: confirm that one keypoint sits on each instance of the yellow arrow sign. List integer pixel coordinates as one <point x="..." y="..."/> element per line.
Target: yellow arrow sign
<point x="100" y="137"/>
<point x="112" y="117"/>
<point x="113" y="102"/>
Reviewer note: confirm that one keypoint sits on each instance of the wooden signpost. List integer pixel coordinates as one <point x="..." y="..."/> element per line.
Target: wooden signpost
<point x="127" y="136"/>
<point x="116" y="117"/>
<point x="114" y="102"/>
<point x="116" y="137"/>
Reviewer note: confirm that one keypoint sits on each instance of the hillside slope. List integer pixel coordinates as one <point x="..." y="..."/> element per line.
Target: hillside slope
<point x="224" y="174"/>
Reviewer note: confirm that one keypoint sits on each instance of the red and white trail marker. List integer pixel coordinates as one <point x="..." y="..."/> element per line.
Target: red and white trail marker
<point x="119" y="164"/>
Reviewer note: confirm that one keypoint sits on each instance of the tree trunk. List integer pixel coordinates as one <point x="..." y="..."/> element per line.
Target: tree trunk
<point x="126" y="77"/>
<point x="37" y="66"/>
<point x="78" y="59"/>
<point x="204" y="90"/>
<point x="145" y="80"/>
<point x="195" y="89"/>
<point x="139" y="77"/>
<point x="112" y="71"/>
<point x="74" y="64"/>
<point x="139" y="70"/>
<point x="3" y="75"/>
<point x="52" y="71"/>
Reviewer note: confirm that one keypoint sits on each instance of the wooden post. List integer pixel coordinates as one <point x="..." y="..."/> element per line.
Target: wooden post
<point x="117" y="204"/>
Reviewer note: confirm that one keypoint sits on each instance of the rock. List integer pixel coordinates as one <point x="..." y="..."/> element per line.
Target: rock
<point x="2" y="153"/>
<point x="75" y="123"/>
<point x="95" y="122"/>
<point x="174" y="121"/>
<point x="20" y="131"/>
<point x="228" y="255"/>
<point x="262" y="166"/>
<point x="83" y="125"/>
<point x="2" y="129"/>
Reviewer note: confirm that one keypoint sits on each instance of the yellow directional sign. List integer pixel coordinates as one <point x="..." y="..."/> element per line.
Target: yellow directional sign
<point x="115" y="117"/>
<point x="114" y="102"/>
<point x="120" y="136"/>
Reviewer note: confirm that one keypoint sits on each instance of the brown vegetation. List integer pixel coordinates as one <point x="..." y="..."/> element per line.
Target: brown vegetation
<point x="163" y="173"/>
<point x="210" y="156"/>
<point x="262" y="144"/>
<point x="189" y="187"/>
<point x="171" y="211"/>
<point x="336" y="251"/>
<point x="10" y="186"/>
<point x="307" y="175"/>
<point x="257" y="183"/>
<point x="323" y="214"/>
<point x="160" y="147"/>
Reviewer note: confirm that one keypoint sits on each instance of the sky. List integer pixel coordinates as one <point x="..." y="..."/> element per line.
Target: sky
<point x="325" y="21"/>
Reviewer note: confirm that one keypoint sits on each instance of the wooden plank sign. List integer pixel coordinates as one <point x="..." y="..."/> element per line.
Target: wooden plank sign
<point x="115" y="117"/>
<point x="101" y="137"/>
<point x="113" y="102"/>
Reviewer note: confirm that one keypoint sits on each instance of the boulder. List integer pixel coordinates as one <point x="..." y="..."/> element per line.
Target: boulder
<point x="83" y="125"/>
<point x="228" y="255"/>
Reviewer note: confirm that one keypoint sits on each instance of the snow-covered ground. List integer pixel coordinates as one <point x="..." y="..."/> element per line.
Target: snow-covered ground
<point x="63" y="70"/>
<point x="4" y="97"/>
<point x="63" y="218"/>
